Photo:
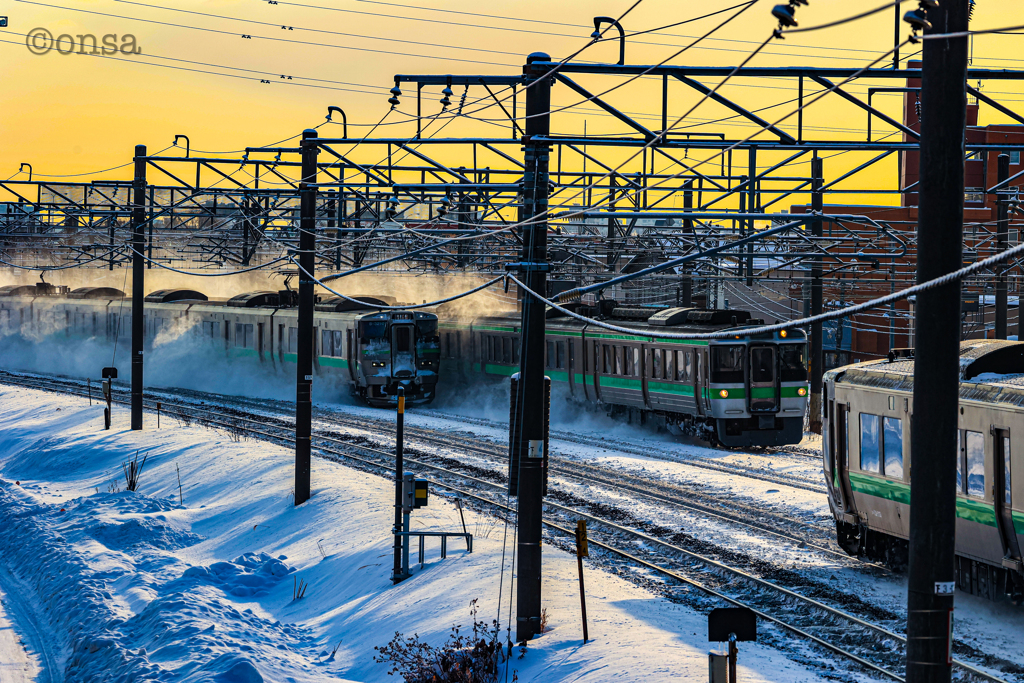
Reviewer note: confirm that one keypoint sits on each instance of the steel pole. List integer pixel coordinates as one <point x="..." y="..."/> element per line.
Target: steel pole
<point x="817" y="347"/>
<point x="530" y="397"/>
<point x="138" y="281"/>
<point x="396" y="572"/>
<point x="687" y="293"/>
<point x="931" y="572"/>
<point x="1002" y="240"/>
<point x="304" y="369"/>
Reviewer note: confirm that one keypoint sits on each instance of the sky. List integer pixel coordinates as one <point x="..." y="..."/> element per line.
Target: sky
<point x="196" y="75"/>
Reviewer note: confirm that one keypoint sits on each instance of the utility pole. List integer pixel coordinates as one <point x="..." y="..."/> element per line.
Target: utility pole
<point x="817" y="348"/>
<point x="1002" y="237"/>
<point x="304" y="368"/>
<point x="397" y="573"/>
<point x="138" y="281"/>
<point x="530" y="396"/>
<point x="931" y="572"/>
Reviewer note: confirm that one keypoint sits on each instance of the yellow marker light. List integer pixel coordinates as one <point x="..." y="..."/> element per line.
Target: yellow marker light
<point x="802" y="391"/>
<point x="724" y="393"/>
<point x="783" y="334"/>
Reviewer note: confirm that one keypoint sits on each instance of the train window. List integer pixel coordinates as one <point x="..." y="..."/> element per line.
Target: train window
<point x="549" y="361"/>
<point x="975" y="452"/>
<point x="686" y="366"/>
<point x="489" y="347"/>
<point x="727" y="364"/>
<point x="959" y="461"/>
<point x="892" y="440"/>
<point x="372" y="329"/>
<point x="293" y="339"/>
<point x="506" y="350"/>
<point x="403" y="339"/>
<point x="560" y="355"/>
<point x="339" y="344"/>
<point x="656" y="354"/>
<point x="618" y="360"/>
<point x="326" y="343"/>
<point x="515" y="350"/>
<point x="670" y="364"/>
<point x="426" y="328"/>
<point x="762" y="364"/>
<point x="792" y="358"/>
<point x="1007" y="489"/>
<point x="243" y="335"/>
<point x="609" y="364"/>
<point x="869" y="461"/>
<point x="636" y="362"/>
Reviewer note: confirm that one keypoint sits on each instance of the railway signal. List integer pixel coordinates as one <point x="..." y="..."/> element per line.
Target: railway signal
<point x="732" y="625"/>
<point x="108" y="375"/>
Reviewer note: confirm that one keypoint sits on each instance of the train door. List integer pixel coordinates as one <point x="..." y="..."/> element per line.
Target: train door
<point x="762" y="394"/>
<point x="699" y="372"/>
<point x="403" y="350"/>
<point x="571" y="369"/>
<point x="259" y="340"/>
<point x="642" y="372"/>
<point x="350" y="353"/>
<point x="596" y="350"/>
<point x="1004" y="495"/>
<point x="586" y="365"/>
<point x="842" y="455"/>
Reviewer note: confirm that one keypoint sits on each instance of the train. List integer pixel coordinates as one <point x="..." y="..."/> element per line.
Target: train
<point x="748" y="390"/>
<point x="374" y="349"/>
<point x="866" y="440"/>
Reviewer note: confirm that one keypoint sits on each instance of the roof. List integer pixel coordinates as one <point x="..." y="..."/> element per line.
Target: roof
<point x="96" y="293"/>
<point x="991" y="370"/>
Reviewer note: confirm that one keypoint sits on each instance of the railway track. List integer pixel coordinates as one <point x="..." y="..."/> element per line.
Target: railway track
<point x="877" y="647"/>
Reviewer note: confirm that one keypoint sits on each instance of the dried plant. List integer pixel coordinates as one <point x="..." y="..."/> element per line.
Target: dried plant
<point x="132" y="471"/>
<point x="473" y="657"/>
<point x="298" y="589"/>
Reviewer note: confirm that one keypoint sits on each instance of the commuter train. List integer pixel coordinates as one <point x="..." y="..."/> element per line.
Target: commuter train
<point x="393" y="347"/>
<point x="747" y="390"/>
<point x="867" y="409"/>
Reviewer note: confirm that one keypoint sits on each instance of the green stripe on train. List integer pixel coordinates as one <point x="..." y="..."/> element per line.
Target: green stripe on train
<point x="332" y="362"/>
<point x="1018" y="523"/>
<point x="977" y="511"/>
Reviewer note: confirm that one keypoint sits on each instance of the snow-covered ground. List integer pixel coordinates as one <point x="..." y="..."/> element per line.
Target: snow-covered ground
<point x="115" y="585"/>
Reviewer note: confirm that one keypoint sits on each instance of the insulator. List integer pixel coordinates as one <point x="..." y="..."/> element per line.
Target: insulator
<point x="917" y="19"/>
<point x="785" y="14"/>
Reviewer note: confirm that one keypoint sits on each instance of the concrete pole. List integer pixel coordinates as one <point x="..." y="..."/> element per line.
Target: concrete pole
<point x="138" y="281"/>
<point x="304" y="365"/>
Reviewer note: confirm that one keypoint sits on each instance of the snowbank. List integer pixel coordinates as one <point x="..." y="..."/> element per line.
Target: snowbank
<point x="137" y="586"/>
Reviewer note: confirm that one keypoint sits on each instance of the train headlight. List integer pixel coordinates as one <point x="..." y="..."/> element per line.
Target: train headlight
<point x="783" y="334"/>
<point x="724" y="393"/>
<point x="802" y="391"/>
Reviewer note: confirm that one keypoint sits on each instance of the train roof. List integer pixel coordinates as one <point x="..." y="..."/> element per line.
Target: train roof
<point x="991" y="370"/>
<point x="647" y="319"/>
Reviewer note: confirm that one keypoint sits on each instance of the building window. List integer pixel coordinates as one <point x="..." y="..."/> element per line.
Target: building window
<point x="1015" y="158"/>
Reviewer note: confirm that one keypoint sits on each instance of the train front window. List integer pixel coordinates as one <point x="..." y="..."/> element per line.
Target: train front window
<point x="762" y="365"/>
<point x="403" y="339"/>
<point x="792" y="359"/>
<point x="426" y="328"/>
<point x="373" y="329"/>
<point x="727" y="364"/>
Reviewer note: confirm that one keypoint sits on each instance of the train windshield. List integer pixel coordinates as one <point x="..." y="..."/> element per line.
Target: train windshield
<point x="403" y="339"/>
<point x="373" y="329"/>
<point x="792" y="358"/>
<point x="727" y="364"/>
<point x="426" y="328"/>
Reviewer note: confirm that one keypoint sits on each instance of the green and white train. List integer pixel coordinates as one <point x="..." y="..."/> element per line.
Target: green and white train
<point x="867" y="409"/>
<point x="374" y="351"/>
<point x="748" y="390"/>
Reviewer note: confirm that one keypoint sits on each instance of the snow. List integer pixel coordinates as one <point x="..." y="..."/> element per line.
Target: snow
<point x="17" y="665"/>
<point x="137" y="586"/>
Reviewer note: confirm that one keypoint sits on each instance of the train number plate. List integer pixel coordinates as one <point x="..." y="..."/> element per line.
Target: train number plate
<point x="944" y="587"/>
